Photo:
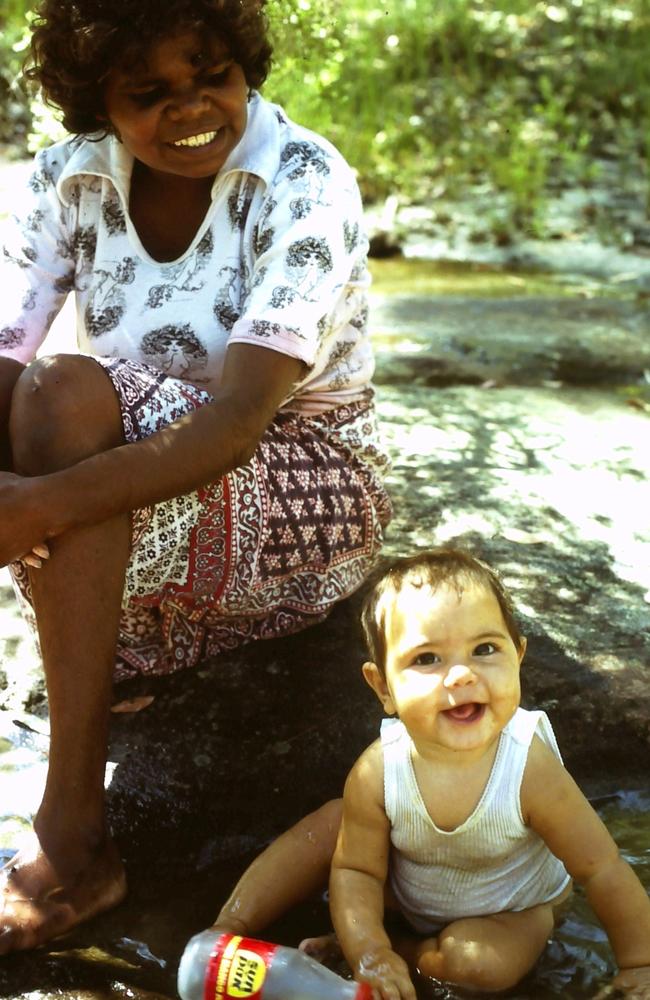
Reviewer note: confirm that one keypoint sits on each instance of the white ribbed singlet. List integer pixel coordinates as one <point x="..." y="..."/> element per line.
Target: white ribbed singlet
<point x="490" y="863"/>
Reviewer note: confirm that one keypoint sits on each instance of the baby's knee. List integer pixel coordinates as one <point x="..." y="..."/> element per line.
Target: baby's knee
<point x="473" y="967"/>
<point x="321" y="829"/>
<point x="329" y="816"/>
<point x="63" y="409"/>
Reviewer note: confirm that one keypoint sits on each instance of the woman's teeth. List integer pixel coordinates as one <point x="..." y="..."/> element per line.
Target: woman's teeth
<point x="196" y="140"/>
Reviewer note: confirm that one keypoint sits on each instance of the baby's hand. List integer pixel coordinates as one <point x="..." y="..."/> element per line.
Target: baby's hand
<point x="633" y="984"/>
<point x="387" y="973"/>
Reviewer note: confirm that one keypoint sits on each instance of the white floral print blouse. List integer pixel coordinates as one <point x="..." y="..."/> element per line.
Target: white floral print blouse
<point x="279" y="261"/>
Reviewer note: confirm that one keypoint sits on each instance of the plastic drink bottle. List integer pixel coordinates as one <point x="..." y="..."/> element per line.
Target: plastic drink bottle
<point x="218" y="966"/>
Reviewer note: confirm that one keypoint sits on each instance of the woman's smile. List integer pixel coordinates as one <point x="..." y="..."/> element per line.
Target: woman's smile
<point x="196" y="141"/>
<point x="184" y="110"/>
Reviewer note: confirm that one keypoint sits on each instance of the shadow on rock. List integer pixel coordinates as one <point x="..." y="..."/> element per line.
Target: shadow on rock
<point x="229" y="755"/>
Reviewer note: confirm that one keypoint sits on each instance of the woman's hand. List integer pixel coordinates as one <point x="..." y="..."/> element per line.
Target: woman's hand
<point x="22" y="521"/>
<point x="36" y="556"/>
<point x="386" y="973"/>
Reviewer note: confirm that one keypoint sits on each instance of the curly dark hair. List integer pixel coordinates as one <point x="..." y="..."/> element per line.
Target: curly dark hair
<point x="76" y="43"/>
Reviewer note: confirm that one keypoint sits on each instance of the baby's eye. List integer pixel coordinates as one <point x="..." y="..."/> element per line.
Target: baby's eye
<point x="426" y="659"/>
<point x="485" y="649"/>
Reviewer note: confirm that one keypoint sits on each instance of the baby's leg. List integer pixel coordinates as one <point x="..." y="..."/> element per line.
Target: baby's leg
<point x="485" y="953"/>
<point x="289" y="871"/>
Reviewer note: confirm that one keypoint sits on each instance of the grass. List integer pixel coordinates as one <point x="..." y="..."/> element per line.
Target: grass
<point x="428" y="98"/>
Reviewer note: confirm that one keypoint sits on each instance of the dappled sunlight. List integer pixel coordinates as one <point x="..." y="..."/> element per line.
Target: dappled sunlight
<point x="544" y="466"/>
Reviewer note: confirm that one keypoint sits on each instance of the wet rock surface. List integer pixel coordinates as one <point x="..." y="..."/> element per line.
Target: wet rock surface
<point x="549" y="485"/>
<point x="518" y="341"/>
<point x="549" y="482"/>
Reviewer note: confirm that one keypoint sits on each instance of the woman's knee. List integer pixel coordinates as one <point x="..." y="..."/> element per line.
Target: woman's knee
<point x="64" y="409"/>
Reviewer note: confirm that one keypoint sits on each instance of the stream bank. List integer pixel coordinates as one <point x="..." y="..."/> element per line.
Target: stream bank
<point x="515" y="409"/>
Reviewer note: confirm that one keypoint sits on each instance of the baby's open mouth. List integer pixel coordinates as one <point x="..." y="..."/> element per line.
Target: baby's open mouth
<point x="469" y="712"/>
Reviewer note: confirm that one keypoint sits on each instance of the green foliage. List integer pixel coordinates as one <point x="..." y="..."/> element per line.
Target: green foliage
<point x="427" y="96"/>
<point x="14" y="107"/>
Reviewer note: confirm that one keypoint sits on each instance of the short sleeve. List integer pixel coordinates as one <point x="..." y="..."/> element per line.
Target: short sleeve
<point x="308" y="246"/>
<point x="37" y="267"/>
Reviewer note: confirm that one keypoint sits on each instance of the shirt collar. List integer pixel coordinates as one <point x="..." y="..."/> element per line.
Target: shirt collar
<point x="257" y="152"/>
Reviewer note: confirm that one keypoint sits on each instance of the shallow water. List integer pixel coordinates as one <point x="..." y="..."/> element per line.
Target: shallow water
<point x="133" y="951"/>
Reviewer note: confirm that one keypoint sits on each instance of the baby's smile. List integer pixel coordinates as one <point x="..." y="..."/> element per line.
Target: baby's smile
<point x="469" y="712"/>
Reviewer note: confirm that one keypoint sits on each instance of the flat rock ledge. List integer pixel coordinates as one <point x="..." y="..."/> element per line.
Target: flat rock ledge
<point x="550" y="484"/>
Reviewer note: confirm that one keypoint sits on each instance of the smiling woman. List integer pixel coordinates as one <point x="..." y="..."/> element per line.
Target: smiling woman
<point x="207" y="470"/>
<point x="185" y="111"/>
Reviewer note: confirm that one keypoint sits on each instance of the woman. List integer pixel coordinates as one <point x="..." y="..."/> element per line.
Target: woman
<point x="206" y="471"/>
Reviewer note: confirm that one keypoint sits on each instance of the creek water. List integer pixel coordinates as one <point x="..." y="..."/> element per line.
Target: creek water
<point x="134" y="950"/>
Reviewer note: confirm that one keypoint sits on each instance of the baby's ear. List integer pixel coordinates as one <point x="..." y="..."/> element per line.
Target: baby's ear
<point x="522" y="648"/>
<point x="375" y="678"/>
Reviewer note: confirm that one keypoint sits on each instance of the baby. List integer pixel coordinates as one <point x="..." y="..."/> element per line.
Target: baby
<point x="461" y="815"/>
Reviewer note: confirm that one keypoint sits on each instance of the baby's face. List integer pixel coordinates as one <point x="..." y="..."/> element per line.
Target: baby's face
<point x="452" y="668"/>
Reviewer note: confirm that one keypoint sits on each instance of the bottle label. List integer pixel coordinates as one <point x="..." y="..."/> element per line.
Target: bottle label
<point x="237" y="968"/>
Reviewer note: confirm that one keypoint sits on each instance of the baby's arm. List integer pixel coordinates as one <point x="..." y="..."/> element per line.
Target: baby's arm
<point x="357" y="879"/>
<point x="554" y="806"/>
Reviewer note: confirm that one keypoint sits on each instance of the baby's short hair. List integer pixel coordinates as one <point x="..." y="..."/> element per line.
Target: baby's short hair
<point x="429" y="568"/>
<point x="76" y="43"/>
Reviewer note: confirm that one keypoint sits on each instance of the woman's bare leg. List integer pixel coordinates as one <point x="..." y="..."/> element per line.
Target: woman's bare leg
<point x="289" y="871"/>
<point x="64" y="410"/>
<point x="10" y="371"/>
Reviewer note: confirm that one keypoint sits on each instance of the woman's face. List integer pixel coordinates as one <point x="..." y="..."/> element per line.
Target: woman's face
<point x="182" y="110"/>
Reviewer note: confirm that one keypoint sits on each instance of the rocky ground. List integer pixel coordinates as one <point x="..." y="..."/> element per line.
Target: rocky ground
<point x="518" y="427"/>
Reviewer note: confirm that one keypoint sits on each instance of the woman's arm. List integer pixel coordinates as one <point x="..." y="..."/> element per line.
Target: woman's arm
<point x="193" y="451"/>
<point x="38" y="260"/>
<point x="357" y="880"/>
<point x="554" y="806"/>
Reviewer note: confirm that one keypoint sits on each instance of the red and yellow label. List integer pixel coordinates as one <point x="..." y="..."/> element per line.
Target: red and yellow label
<point x="237" y="968"/>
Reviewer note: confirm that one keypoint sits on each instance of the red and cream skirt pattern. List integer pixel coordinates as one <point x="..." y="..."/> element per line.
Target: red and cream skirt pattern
<point x="262" y="552"/>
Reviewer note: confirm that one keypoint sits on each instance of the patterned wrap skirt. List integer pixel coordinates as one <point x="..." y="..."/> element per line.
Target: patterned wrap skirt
<point x="265" y="551"/>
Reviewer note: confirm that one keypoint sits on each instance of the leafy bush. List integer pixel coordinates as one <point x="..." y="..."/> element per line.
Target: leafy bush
<point x="425" y="96"/>
<point x="14" y="105"/>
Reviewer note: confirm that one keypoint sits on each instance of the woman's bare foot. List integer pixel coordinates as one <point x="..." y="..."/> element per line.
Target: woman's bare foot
<point x="325" y="949"/>
<point x="37" y="903"/>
